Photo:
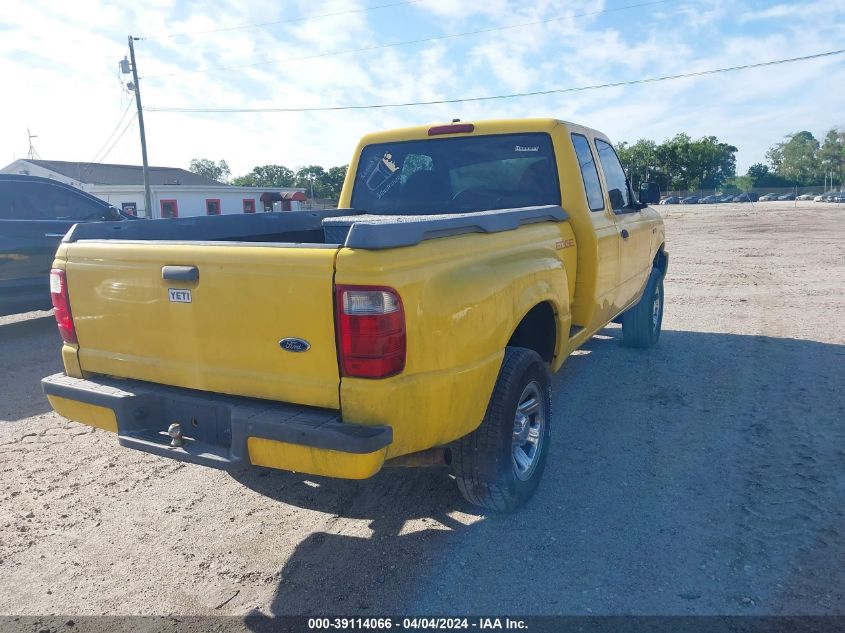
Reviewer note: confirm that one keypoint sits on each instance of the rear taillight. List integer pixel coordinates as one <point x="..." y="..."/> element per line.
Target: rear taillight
<point x="370" y="331"/>
<point x="61" y="305"/>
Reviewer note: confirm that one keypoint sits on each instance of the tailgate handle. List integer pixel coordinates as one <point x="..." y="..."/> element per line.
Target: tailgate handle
<point x="180" y="273"/>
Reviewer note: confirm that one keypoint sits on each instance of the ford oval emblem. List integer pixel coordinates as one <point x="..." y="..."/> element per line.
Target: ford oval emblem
<point x="294" y="345"/>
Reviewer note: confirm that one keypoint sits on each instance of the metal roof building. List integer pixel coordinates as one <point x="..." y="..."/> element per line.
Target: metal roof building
<point x="175" y="192"/>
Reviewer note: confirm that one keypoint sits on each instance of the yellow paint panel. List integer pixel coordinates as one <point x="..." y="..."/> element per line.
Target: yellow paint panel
<point x="314" y="461"/>
<point x="90" y="414"/>
<point x="226" y="340"/>
<point x="424" y="410"/>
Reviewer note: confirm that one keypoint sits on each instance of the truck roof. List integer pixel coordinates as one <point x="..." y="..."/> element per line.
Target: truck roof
<point x="490" y="126"/>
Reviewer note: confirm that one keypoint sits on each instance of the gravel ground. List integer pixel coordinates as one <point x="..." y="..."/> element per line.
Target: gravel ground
<point x="706" y="476"/>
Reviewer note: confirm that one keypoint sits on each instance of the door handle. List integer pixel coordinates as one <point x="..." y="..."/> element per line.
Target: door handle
<point x="180" y="273"/>
<point x="625" y="235"/>
<point x="54" y="235"/>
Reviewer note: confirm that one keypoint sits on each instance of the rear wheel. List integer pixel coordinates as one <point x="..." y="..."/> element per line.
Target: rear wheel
<point x="499" y="465"/>
<point x="642" y="323"/>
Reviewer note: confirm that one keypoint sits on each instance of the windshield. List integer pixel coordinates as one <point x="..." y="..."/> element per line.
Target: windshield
<point x="457" y="175"/>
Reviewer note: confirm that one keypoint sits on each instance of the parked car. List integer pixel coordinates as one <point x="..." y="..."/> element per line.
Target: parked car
<point x="787" y="196"/>
<point x="711" y="199"/>
<point x="819" y="198"/>
<point x="743" y="197"/>
<point x="430" y="322"/>
<point x="806" y="196"/>
<point x="35" y="213"/>
<point x="769" y="196"/>
<point x="690" y="200"/>
<point x="729" y="197"/>
<point x="671" y="200"/>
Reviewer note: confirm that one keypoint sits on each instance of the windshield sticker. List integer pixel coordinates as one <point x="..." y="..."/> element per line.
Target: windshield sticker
<point x="523" y="148"/>
<point x="381" y="192"/>
<point x="379" y="172"/>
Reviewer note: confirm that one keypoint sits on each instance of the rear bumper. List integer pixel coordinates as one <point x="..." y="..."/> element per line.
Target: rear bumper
<point x="222" y="431"/>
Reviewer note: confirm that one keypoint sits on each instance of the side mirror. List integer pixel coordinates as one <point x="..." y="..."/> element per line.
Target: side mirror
<point x="617" y="201"/>
<point x="649" y="193"/>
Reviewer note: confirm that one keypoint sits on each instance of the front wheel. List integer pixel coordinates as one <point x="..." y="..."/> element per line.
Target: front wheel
<point x="642" y="323"/>
<point x="499" y="465"/>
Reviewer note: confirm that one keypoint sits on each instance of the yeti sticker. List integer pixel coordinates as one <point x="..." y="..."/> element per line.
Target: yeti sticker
<point x="179" y="295"/>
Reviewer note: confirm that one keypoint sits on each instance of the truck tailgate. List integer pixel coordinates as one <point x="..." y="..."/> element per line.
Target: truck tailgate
<point x="220" y="332"/>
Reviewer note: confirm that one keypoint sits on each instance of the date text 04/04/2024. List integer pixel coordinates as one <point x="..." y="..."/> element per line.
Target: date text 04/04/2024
<point x="417" y="623"/>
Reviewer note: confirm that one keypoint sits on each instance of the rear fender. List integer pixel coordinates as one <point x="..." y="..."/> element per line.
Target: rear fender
<point x="463" y="297"/>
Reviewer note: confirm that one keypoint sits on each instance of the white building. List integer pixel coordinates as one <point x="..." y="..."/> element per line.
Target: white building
<point x="175" y="192"/>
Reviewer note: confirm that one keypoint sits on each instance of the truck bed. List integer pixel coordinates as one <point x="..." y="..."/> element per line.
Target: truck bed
<point x="333" y="228"/>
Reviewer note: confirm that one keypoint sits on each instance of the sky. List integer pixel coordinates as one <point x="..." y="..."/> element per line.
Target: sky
<point x="59" y="63"/>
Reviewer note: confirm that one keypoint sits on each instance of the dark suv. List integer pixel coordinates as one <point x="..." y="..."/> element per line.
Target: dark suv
<point x="35" y="213"/>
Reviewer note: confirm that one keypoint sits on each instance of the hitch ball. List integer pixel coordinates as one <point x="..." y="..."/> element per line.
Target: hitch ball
<point x="175" y="432"/>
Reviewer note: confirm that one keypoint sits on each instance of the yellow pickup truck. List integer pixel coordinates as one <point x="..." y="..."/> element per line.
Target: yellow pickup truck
<point x="414" y="325"/>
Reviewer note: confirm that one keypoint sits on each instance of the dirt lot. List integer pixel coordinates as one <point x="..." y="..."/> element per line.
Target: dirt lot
<point x="705" y="476"/>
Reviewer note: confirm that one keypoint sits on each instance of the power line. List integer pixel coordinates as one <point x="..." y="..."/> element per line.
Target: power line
<point x="277" y="22"/>
<point x="119" y="136"/>
<point x="375" y="47"/>
<point x="112" y="133"/>
<point x="617" y="84"/>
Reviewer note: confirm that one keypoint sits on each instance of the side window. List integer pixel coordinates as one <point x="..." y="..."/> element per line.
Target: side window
<point x="212" y="206"/>
<point x="40" y="201"/>
<point x="614" y="175"/>
<point x="589" y="172"/>
<point x="169" y="209"/>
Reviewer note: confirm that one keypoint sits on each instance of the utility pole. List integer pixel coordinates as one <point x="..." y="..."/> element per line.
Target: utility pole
<point x="136" y="88"/>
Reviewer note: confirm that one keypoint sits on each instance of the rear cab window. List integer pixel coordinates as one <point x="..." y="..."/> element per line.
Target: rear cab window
<point x="614" y="175"/>
<point x="457" y="175"/>
<point x="589" y="172"/>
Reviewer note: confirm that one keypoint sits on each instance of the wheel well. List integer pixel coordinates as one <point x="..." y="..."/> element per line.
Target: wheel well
<point x="660" y="259"/>
<point x="537" y="331"/>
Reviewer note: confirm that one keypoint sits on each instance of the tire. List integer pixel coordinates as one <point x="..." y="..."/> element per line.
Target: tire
<point x="642" y="323"/>
<point x="489" y="472"/>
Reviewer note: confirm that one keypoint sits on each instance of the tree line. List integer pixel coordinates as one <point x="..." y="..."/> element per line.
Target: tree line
<point x="324" y="183"/>
<point x="683" y="164"/>
<point x="677" y="164"/>
<point x="800" y="159"/>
